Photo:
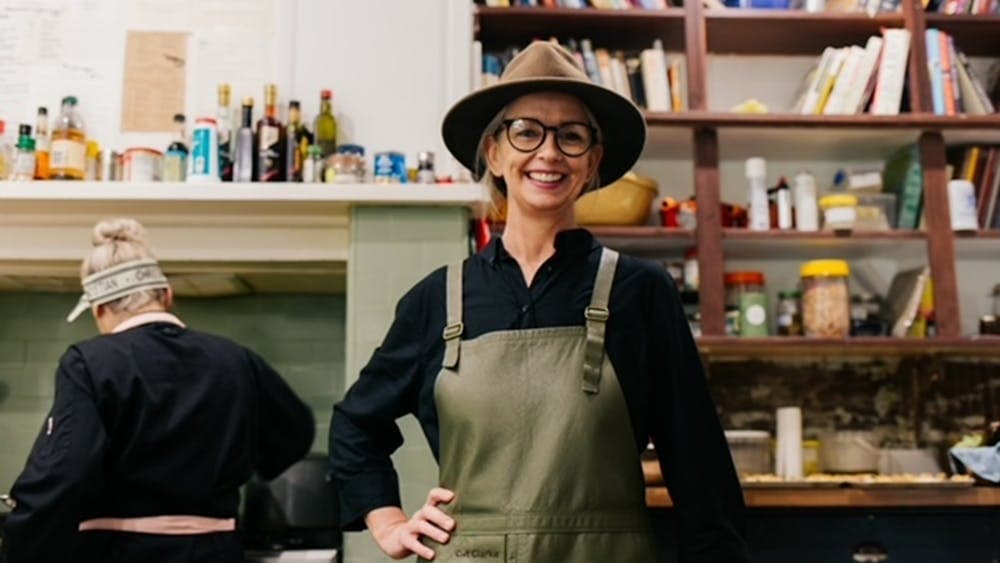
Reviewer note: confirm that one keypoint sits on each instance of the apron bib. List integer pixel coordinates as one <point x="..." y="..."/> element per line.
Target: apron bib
<point x="537" y="443"/>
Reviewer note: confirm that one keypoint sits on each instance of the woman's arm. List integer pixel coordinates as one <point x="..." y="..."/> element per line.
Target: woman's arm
<point x="65" y="467"/>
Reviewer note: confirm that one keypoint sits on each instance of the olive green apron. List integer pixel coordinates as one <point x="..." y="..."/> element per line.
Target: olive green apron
<point x="537" y="443"/>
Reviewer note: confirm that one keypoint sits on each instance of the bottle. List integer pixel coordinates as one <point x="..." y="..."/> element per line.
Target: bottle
<point x="312" y="167"/>
<point x="296" y="143"/>
<point x="784" y="199"/>
<point x="270" y="140"/>
<point x="203" y="161"/>
<point x="806" y="211"/>
<point x="243" y="146"/>
<point x="325" y="128"/>
<point x="92" y="170"/>
<point x="425" y="168"/>
<point x="68" y="153"/>
<point x="6" y="153"/>
<point x="756" y="172"/>
<point x="42" y="144"/>
<point x="224" y="126"/>
<point x="175" y="158"/>
<point x="23" y="168"/>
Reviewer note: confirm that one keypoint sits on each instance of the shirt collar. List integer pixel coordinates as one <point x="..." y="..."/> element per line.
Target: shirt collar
<point x="147" y="318"/>
<point x="574" y="242"/>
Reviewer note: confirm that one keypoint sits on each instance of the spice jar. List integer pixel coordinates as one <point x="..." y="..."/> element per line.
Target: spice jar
<point x="826" y="306"/>
<point x="789" y="314"/>
<point x="746" y="304"/>
<point x="839" y="211"/>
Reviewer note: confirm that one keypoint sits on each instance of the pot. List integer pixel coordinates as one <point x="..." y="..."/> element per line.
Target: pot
<point x="848" y="452"/>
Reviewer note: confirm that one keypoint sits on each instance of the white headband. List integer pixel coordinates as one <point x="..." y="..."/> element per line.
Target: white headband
<point x="117" y="282"/>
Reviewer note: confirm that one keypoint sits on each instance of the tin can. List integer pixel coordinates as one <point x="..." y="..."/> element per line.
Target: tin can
<point x="203" y="163"/>
<point x="425" y="168"/>
<point x="140" y="164"/>
<point x="390" y="168"/>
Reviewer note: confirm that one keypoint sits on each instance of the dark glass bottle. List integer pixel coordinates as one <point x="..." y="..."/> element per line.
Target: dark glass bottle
<point x="270" y="140"/>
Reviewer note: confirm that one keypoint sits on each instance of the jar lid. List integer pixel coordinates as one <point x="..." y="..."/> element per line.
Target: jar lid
<point x="789" y="294"/>
<point x="825" y="268"/>
<point x="838" y="200"/>
<point x="744" y="278"/>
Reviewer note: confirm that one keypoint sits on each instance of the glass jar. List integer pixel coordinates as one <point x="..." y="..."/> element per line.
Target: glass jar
<point x="826" y="305"/>
<point x="789" y="314"/>
<point x="746" y="304"/>
<point x="840" y="212"/>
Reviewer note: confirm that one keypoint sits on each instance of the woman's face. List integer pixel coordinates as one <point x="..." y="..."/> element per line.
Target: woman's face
<point x="544" y="180"/>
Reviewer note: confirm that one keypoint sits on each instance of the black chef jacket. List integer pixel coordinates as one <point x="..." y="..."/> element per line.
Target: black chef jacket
<point x="155" y="420"/>
<point x="648" y="342"/>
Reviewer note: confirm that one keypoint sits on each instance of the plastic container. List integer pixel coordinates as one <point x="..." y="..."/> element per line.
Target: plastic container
<point x="759" y="215"/>
<point x="746" y="304"/>
<point x="826" y="302"/>
<point x="840" y="212"/>
<point x="751" y="451"/>
<point x="962" y="205"/>
<point x="804" y="199"/>
<point x="141" y="164"/>
<point x="203" y="162"/>
<point x="627" y="201"/>
<point x="876" y="212"/>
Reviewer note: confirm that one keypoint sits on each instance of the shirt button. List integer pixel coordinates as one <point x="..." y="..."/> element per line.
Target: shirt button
<point x="524" y="309"/>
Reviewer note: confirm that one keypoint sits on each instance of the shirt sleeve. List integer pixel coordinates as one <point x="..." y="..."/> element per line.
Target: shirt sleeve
<point x="363" y="429"/>
<point x="691" y="447"/>
<point x="287" y="425"/>
<point x="63" y="472"/>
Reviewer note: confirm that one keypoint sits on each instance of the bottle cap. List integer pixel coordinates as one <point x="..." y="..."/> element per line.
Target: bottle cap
<point x="293" y="104"/>
<point x="69" y="100"/>
<point x="325" y="94"/>
<point x="179" y="118"/>
<point x="248" y="101"/>
<point x="24" y="130"/>
<point x="42" y="110"/>
<point x="756" y="167"/>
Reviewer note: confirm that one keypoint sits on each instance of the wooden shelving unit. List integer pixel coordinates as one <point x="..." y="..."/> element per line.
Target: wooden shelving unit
<point x="987" y="498"/>
<point x="700" y="32"/>
<point x="778" y="346"/>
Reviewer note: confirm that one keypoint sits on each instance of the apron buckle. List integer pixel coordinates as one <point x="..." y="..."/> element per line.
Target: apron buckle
<point x="596" y="313"/>
<point x="453" y="331"/>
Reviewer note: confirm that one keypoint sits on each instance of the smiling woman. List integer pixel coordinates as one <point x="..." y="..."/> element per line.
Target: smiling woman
<point x="540" y="368"/>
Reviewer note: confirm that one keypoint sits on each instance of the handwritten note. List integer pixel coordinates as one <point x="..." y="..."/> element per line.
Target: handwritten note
<point x="154" y="84"/>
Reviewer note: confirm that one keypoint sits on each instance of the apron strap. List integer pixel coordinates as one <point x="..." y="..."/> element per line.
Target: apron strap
<point x="597" y="316"/>
<point x="454" y="328"/>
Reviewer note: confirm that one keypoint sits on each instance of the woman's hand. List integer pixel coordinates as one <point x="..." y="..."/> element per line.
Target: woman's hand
<point x="399" y="536"/>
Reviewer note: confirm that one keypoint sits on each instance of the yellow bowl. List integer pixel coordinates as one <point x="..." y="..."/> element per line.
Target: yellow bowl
<point x="625" y="202"/>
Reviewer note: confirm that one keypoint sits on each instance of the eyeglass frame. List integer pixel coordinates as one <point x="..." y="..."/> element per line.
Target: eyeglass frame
<point x="545" y="135"/>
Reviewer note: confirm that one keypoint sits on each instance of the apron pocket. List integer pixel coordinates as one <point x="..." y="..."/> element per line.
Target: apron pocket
<point x="470" y="548"/>
<point x="585" y="547"/>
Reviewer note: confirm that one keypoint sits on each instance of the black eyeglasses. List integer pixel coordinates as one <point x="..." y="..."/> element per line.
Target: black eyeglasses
<point x="527" y="134"/>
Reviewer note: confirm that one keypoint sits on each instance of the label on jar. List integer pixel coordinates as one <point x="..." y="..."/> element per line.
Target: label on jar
<point x="753" y="314"/>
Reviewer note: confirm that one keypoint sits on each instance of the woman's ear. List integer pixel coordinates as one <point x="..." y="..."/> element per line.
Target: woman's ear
<point x="168" y="298"/>
<point x="491" y="150"/>
<point x="596" y="154"/>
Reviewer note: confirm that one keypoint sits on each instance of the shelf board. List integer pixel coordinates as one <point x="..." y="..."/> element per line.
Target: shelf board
<point x="790" y="32"/>
<point x="798" y="346"/>
<point x="853" y="497"/>
<point x="975" y="35"/>
<point x="635" y="29"/>
<point x="915" y="121"/>
<point x="645" y="240"/>
<point x="810" y="137"/>
<point x="788" y="245"/>
<point x="979" y="245"/>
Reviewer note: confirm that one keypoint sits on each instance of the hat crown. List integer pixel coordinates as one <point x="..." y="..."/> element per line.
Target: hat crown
<point x="543" y="59"/>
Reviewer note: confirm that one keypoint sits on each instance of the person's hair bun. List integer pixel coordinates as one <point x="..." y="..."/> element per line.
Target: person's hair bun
<point x="118" y="230"/>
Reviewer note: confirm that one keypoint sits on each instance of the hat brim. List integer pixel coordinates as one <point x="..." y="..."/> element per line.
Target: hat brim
<point x="623" y="127"/>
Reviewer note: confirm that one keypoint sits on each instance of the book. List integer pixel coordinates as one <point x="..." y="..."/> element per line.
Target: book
<point x="830" y="78"/>
<point x="892" y="72"/>
<point x="678" y="84"/>
<point x="902" y="301"/>
<point x="619" y="75"/>
<point x="952" y="94"/>
<point x="986" y="191"/>
<point x="654" y="78"/>
<point x="590" y="61"/>
<point x="863" y="83"/>
<point x="903" y="176"/>
<point x="604" y="68"/>
<point x="836" y="104"/>
<point x="811" y="94"/>
<point x="633" y="68"/>
<point x="933" y="44"/>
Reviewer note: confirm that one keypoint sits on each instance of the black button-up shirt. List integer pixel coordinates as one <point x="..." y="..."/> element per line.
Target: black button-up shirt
<point x="647" y="340"/>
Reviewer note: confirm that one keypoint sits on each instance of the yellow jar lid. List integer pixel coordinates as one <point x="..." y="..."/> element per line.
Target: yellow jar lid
<point x="825" y="268"/>
<point x="838" y="200"/>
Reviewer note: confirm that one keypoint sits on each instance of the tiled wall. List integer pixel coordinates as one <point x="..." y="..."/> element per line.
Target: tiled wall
<point x="302" y="336"/>
<point x="391" y="250"/>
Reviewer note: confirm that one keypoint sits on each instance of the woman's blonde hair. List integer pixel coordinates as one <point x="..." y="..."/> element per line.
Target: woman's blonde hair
<point x="117" y="241"/>
<point x="496" y="184"/>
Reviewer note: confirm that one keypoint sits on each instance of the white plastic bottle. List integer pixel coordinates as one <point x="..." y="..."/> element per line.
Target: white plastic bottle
<point x="806" y="210"/>
<point x="759" y="214"/>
